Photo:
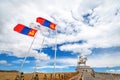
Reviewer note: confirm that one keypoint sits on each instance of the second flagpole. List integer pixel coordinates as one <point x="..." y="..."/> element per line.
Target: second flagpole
<point x="55" y="54"/>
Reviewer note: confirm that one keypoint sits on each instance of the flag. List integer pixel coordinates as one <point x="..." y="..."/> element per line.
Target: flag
<point x="20" y="28"/>
<point x="46" y="23"/>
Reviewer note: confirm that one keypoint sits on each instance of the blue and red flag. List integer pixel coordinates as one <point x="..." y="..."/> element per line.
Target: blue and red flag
<point x="20" y="28"/>
<point x="46" y="23"/>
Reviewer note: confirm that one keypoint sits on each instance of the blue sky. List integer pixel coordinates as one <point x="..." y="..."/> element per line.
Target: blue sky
<point x="84" y="27"/>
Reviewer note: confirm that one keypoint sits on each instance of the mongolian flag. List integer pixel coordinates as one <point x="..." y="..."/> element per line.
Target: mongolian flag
<point x="46" y="23"/>
<point x="20" y="28"/>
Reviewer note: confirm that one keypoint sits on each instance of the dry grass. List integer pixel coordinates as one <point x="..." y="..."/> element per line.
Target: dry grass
<point x="42" y="76"/>
<point x="7" y="75"/>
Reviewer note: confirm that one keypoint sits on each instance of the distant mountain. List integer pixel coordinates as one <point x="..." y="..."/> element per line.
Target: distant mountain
<point x="8" y="71"/>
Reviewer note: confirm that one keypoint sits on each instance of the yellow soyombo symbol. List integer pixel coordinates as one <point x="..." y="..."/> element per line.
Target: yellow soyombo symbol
<point x="32" y="33"/>
<point x="52" y="26"/>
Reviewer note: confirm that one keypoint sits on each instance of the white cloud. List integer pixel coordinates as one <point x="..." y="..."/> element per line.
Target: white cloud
<point x="4" y="62"/>
<point x="20" y="61"/>
<point x="105" y="60"/>
<point x="113" y="71"/>
<point x="41" y="56"/>
<point x="104" y="34"/>
<point x="67" y="61"/>
<point x="99" y="60"/>
<point x="52" y="67"/>
<point x="77" y="48"/>
<point x="62" y="63"/>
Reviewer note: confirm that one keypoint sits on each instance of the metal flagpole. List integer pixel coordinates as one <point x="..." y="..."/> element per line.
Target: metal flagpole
<point x="27" y="53"/>
<point x="39" y="52"/>
<point x="55" y="54"/>
<point x="20" y="69"/>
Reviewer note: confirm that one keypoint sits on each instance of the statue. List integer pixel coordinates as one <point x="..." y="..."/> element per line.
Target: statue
<point x="83" y="68"/>
<point x="82" y="60"/>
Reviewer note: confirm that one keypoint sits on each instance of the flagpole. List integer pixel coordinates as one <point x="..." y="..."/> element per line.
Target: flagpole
<point x="27" y="53"/>
<point x="55" y="54"/>
<point x="39" y="55"/>
<point x="35" y="69"/>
